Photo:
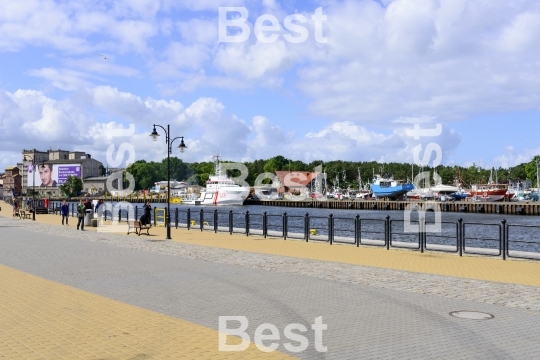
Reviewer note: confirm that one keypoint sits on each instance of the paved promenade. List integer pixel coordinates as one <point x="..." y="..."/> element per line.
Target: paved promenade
<point x="69" y="294"/>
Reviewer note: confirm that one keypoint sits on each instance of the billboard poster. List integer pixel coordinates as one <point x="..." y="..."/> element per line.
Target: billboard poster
<point x="52" y="175"/>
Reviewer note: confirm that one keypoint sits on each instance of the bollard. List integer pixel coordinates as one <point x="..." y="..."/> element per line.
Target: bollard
<point x="188" y="218"/>
<point x="136" y="212"/>
<point x="176" y="218"/>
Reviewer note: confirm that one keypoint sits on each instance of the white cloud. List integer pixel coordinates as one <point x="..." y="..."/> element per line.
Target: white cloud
<point x="186" y="56"/>
<point x="511" y="157"/>
<point x="30" y="119"/>
<point x="64" y="79"/>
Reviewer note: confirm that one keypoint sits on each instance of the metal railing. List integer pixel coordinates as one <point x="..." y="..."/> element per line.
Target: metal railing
<point x="488" y="239"/>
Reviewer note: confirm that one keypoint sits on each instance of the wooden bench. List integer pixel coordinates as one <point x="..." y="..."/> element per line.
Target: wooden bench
<point x="24" y="215"/>
<point x="138" y="227"/>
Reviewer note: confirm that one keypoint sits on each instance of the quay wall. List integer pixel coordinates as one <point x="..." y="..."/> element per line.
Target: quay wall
<point x="512" y="208"/>
<point x="458" y="206"/>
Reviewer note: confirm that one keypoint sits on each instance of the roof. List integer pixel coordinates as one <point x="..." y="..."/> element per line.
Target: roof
<point x="296" y="178"/>
<point x="96" y="178"/>
<point x="11" y="168"/>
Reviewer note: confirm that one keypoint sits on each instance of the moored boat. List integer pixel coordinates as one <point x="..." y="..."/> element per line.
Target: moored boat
<point x="490" y="192"/>
<point x="389" y="188"/>
<point x="220" y="190"/>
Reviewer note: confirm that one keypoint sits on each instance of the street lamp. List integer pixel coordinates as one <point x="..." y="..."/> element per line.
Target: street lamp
<point x="181" y="147"/>
<point x="26" y="158"/>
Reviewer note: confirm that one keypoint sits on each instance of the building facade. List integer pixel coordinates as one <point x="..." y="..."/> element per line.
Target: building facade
<point x="12" y="180"/>
<point x="62" y="163"/>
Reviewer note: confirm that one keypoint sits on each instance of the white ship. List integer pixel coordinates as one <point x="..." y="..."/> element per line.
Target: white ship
<point x="220" y="190"/>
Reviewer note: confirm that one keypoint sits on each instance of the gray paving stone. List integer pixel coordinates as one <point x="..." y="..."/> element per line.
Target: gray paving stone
<point x="364" y="322"/>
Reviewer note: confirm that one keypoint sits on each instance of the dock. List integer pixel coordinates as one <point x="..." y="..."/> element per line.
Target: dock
<point x="510" y="208"/>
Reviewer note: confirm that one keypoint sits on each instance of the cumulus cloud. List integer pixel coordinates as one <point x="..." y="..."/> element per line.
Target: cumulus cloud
<point x="90" y="122"/>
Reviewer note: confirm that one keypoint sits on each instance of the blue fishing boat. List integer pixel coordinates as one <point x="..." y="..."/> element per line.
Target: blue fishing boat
<point x="390" y="188"/>
<point x="459" y="195"/>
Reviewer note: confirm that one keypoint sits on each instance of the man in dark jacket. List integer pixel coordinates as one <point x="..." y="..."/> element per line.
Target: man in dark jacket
<point x="81" y="210"/>
<point x="65" y="212"/>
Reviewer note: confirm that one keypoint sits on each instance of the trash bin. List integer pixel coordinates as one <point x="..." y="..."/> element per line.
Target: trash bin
<point x="88" y="218"/>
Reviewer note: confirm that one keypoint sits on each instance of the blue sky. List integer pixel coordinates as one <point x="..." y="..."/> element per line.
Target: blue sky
<point x="471" y="66"/>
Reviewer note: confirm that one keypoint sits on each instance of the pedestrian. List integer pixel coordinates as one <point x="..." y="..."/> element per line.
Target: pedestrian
<point x="15" y="207"/>
<point x="146" y="217"/>
<point x="88" y="204"/>
<point x="81" y="209"/>
<point x="65" y="212"/>
<point x="98" y="205"/>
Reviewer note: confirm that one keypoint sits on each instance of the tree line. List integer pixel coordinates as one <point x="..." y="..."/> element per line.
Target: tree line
<point x="146" y="173"/>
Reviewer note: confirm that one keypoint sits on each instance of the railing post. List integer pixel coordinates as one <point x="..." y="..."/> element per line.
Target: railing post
<point x="284" y="226"/>
<point x="201" y="225"/>
<point x="420" y="233"/>
<point x="357" y="230"/>
<point x="331" y="228"/>
<point x="387" y="232"/>
<point x="265" y="224"/>
<point x="247" y="223"/>
<point x="155" y="215"/>
<point x="504" y="240"/>
<point x="136" y="213"/>
<point x="119" y="214"/>
<point x="306" y="227"/>
<point x="105" y="212"/>
<point x="176" y="218"/>
<point x="460" y="236"/>
<point x="127" y="213"/>
<point x="230" y="222"/>
<point x="188" y="217"/>
<point x="215" y="221"/>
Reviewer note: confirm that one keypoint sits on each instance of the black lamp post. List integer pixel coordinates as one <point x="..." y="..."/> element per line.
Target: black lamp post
<point x="33" y="185"/>
<point x="182" y="147"/>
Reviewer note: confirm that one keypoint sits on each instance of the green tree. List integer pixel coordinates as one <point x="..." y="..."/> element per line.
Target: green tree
<point x="72" y="186"/>
<point x="144" y="173"/>
<point x="531" y="168"/>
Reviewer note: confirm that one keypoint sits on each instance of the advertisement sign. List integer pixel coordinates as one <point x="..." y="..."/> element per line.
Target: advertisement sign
<point x="52" y="174"/>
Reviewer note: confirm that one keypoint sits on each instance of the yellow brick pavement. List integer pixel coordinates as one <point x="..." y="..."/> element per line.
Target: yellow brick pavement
<point x="42" y="319"/>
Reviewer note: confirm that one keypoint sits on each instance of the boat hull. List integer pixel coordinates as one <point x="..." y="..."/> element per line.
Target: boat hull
<point x="391" y="192"/>
<point x="489" y="195"/>
<point x="224" y="196"/>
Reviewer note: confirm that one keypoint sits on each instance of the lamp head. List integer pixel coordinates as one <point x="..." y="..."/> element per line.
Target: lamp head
<point x="182" y="146"/>
<point x="154" y="134"/>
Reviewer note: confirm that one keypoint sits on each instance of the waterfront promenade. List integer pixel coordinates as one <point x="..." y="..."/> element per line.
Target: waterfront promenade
<point x="101" y="295"/>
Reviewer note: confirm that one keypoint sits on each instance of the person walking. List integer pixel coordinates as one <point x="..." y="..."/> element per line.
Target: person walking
<point x="15" y="207"/>
<point x="65" y="212"/>
<point x="81" y="209"/>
